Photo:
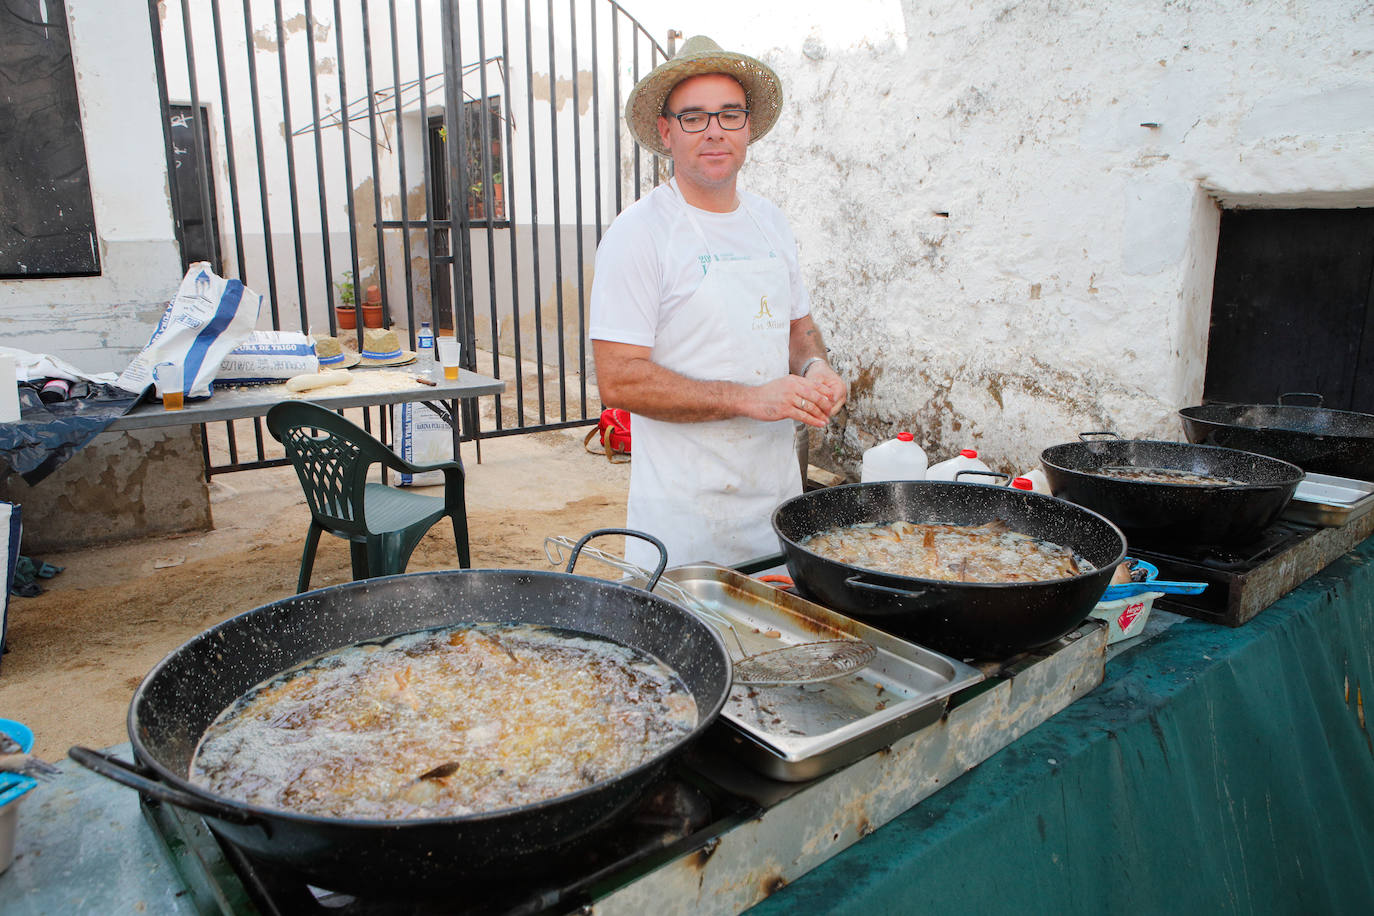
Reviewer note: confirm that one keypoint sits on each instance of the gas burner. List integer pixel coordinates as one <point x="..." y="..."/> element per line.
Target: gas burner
<point x="680" y="813"/>
<point x="1272" y="541"/>
<point x="1245" y="579"/>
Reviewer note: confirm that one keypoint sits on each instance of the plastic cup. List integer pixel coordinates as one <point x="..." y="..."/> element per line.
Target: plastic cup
<point x="167" y="380"/>
<point x="449" y="351"/>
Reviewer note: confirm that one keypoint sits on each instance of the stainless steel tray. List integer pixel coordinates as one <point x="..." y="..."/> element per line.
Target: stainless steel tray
<point x="801" y="732"/>
<point x="1329" y="502"/>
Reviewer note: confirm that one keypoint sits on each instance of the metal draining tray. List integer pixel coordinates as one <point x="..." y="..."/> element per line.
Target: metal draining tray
<point x="801" y="732"/>
<point x="1329" y="502"/>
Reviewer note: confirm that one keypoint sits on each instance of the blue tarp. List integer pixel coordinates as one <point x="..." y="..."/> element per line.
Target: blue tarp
<point x="49" y="434"/>
<point x="1215" y="770"/>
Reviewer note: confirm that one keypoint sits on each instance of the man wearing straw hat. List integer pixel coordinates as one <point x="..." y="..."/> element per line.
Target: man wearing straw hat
<point x="701" y="326"/>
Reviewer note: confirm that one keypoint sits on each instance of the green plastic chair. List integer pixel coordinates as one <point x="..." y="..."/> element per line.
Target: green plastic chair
<point x="383" y="524"/>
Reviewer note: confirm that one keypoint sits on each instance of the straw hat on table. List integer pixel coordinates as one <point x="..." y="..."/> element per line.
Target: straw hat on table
<point x="698" y="55"/>
<point x="381" y="347"/>
<point x="332" y="354"/>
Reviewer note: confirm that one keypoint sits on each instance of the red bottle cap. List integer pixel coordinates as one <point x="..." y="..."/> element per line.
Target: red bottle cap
<point x="1023" y="483"/>
<point x="968" y="453"/>
<point x="905" y="437"/>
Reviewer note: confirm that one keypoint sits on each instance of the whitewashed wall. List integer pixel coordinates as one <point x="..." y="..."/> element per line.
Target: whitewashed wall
<point x="100" y="322"/>
<point x="1068" y="287"/>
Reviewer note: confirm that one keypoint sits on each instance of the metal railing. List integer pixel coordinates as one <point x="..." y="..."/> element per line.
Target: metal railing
<point x="342" y="162"/>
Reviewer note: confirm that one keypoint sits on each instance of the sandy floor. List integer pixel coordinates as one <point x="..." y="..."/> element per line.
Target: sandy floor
<point x="77" y="652"/>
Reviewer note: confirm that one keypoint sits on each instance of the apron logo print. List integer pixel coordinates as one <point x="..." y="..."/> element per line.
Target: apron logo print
<point x="763" y="319"/>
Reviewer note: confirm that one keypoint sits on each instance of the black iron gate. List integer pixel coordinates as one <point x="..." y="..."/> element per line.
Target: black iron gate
<point x="462" y="157"/>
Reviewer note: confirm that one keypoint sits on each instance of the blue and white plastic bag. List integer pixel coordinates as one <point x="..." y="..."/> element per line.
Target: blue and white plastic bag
<point x="11" y="529"/>
<point x="209" y="317"/>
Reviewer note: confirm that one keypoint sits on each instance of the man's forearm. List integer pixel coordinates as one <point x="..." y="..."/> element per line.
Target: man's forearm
<point x="804" y="344"/>
<point x="629" y="378"/>
<point x="643" y="387"/>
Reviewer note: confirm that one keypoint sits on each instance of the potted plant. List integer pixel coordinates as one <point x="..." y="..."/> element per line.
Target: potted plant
<point x="372" y="308"/>
<point x="477" y="205"/>
<point x="498" y="196"/>
<point x="346" y="311"/>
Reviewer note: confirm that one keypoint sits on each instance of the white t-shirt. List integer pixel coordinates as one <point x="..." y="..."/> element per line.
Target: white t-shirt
<point x="652" y="260"/>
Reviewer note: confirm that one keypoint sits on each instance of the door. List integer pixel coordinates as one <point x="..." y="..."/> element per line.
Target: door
<point x="193" y="185"/>
<point x="1291" y="308"/>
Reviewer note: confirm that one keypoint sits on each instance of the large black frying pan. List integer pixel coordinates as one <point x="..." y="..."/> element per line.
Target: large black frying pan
<point x="964" y="619"/>
<point x="179" y="699"/>
<point x="1170" y="514"/>
<point x="1316" y="439"/>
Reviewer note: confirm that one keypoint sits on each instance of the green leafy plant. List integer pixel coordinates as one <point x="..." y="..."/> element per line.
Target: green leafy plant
<point x="345" y="288"/>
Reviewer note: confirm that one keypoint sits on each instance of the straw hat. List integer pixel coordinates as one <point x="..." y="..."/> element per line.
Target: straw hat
<point x="698" y="55"/>
<point x="381" y="347"/>
<point x="332" y="355"/>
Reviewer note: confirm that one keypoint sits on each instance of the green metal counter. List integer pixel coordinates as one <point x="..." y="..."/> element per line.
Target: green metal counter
<point x="1215" y="770"/>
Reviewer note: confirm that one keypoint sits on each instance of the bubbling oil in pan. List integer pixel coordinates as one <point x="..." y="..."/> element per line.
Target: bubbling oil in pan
<point x="506" y="715"/>
<point x="954" y="553"/>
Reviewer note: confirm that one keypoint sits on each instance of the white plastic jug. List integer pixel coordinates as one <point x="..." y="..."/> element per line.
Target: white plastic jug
<point x="966" y="460"/>
<point x="1037" y="480"/>
<point x="895" y="459"/>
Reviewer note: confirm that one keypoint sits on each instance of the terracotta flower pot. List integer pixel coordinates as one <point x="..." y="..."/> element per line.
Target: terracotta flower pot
<point x="347" y="317"/>
<point x="372" y="308"/>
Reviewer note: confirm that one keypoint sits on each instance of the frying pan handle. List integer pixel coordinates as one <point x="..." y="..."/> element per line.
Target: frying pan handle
<point x="1300" y="394"/>
<point x="630" y="532"/>
<point x="143" y="780"/>
<point x="859" y="583"/>
<point x="1104" y="433"/>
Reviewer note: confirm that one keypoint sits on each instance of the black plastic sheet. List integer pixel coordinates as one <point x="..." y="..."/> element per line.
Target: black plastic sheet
<point x="48" y="434"/>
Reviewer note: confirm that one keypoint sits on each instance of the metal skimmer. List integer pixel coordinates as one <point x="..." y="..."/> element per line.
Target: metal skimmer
<point x="801" y="663"/>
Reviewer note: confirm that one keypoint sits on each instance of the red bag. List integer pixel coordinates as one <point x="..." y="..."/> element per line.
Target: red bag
<point x="613" y="431"/>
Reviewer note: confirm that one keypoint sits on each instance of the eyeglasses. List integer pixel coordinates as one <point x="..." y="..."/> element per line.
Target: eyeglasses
<point x="694" y="122"/>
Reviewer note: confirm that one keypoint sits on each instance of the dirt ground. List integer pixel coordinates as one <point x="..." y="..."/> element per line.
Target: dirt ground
<point x="76" y="653"/>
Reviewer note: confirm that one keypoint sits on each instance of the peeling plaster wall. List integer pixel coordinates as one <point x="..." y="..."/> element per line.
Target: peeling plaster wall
<point x="101" y="322"/>
<point x="1068" y="287"/>
<point x="122" y="485"/>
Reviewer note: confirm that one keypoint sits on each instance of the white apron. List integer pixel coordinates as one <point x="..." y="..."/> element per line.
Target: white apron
<point x="708" y="490"/>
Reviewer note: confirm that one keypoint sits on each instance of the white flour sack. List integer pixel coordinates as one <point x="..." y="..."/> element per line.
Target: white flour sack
<point x="209" y="317"/>
<point x="421" y="437"/>
<point x="269" y="356"/>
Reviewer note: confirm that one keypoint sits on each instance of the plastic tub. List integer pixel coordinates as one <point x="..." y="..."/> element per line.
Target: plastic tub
<point x="13" y="786"/>
<point x="1125" y="607"/>
<point x="1125" y="617"/>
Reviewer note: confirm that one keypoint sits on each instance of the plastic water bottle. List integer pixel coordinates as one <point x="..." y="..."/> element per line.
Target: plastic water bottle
<point x="1036" y="481"/>
<point x="966" y="460"/>
<point x="424" y="343"/>
<point x="896" y="459"/>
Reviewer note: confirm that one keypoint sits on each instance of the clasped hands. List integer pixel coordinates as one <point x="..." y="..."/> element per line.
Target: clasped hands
<point x="813" y="399"/>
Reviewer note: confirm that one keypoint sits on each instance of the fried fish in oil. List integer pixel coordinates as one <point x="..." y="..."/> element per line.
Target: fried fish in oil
<point x="956" y="553"/>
